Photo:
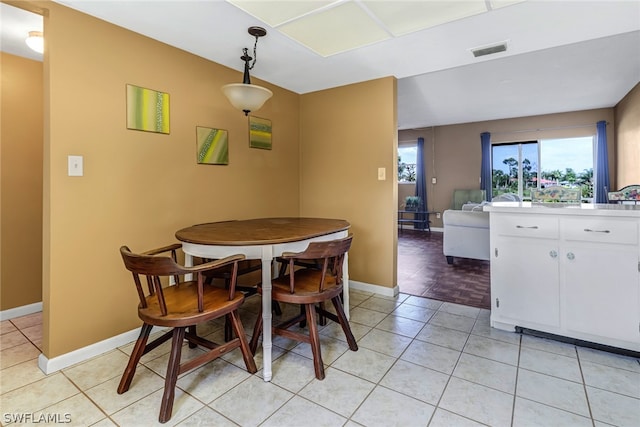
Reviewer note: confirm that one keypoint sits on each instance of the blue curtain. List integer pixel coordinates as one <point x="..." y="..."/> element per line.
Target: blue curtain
<point x="602" y="163"/>
<point x="421" y="186"/>
<point x="485" y="168"/>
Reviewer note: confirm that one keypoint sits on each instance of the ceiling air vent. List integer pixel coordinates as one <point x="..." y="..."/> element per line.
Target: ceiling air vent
<point x="489" y="50"/>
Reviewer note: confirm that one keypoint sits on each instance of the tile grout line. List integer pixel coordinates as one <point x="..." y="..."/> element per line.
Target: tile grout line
<point x="515" y="386"/>
<point x="584" y="387"/>
<point x="414" y="339"/>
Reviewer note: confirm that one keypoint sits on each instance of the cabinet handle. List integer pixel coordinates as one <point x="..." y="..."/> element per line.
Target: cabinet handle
<point x="553" y="254"/>
<point x="570" y="255"/>
<point x="588" y="230"/>
<point x="533" y="227"/>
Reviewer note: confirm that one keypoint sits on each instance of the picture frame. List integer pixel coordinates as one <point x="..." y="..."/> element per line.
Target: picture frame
<point x="260" y="133"/>
<point x="212" y="146"/>
<point x="147" y="110"/>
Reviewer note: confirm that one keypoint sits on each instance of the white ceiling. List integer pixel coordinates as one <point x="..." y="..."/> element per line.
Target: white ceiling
<point x="563" y="55"/>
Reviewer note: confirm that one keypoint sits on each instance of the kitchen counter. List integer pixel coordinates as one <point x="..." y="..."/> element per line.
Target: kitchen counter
<point x="568" y="270"/>
<point x="565" y="208"/>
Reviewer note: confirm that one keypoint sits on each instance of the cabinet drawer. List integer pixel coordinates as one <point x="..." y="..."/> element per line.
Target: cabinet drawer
<point x="543" y="227"/>
<point x="601" y="230"/>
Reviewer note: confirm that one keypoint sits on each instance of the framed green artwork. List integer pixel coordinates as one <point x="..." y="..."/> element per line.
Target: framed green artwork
<point x="212" y="146"/>
<point x="259" y="133"/>
<point x="147" y="109"/>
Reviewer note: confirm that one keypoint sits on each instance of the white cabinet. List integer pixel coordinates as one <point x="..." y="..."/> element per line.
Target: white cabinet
<point x="568" y="272"/>
<point x="524" y="270"/>
<point x="600" y="277"/>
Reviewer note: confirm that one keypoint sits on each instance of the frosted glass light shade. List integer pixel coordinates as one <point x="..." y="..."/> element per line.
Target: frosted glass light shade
<point x="246" y="97"/>
<point x="35" y="41"/>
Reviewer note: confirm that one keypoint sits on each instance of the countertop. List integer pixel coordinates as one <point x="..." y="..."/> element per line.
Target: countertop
<point x="587" y="209"/>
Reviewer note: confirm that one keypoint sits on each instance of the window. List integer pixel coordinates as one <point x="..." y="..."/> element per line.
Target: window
<point x="407" y="163"/>
<point x="519" y="167"/>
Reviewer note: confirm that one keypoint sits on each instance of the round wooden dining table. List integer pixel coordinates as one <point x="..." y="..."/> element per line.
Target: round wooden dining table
<point x="264" y="239"/>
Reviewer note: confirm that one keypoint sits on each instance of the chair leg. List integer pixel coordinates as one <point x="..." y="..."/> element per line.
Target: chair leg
<point x="303" y="323"/>
<point x="247" y="355"/>
<point x="318" y="365"/>
<point x="136" y="354"/>
<point x="276" y="307"/>
<point x="228" y="329"/>
<point x="322" y="319"/>
<point x="257" y="330"/>
<point x="191" y="332"/>
<point x="344" y="323"/>
<point x="172" y="375"/>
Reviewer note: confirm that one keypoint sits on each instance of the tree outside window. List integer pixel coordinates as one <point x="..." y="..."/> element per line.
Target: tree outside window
<point x="407" y="164"/>
<point x="516" y="170"/>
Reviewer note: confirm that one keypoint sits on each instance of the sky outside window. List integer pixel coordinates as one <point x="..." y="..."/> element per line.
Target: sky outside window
<point x="559" y="154"/>
<point x="555" y="154"/>
<point x="408" y="154"/>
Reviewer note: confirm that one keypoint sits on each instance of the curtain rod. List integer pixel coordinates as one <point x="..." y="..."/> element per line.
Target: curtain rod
<point x="544" y="129"/>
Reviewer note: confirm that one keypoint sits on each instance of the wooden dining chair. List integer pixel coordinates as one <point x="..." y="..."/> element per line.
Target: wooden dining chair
<point x="310" y="287"/>
<point x="181" y="306"/>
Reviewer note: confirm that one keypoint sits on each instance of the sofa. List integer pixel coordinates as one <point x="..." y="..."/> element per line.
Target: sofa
<point x="466" y="230"/>
<point x="466" y="234"/>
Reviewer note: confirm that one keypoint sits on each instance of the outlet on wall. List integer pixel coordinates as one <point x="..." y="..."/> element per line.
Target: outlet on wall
<point x="438" y="215"/>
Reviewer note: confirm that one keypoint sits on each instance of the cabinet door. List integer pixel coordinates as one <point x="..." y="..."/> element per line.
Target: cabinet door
<point x="524" y="281"/>
<point x="601" y="290"/>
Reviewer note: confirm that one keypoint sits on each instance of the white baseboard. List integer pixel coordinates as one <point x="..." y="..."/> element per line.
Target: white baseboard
<point x="436" y="229"/>
<point x="24" y="310"/>
<point x="63" y="361"/>
<point x="376" y="289"/>
<point x="49" y="366"/>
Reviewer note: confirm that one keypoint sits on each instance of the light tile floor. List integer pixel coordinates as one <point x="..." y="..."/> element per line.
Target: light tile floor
<point x="421" y="362"/>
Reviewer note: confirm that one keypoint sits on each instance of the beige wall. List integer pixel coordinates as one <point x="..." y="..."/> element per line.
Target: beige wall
<point x="347" y="133"/>
<point x="405" y="190"/>
<point x="21" y="94"/>
<point x="628" y="139"/>
<point x="138" y="187"/>
<point x="452" y="153"/>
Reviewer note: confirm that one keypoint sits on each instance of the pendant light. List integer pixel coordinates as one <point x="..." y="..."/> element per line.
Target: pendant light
<point x="246" y="96"/>
<point x="35" y="41"/>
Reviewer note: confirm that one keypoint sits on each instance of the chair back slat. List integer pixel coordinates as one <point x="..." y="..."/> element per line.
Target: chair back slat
<point x="143" y="300"/>
<point x="160" y="294"/>
<point x="152" y="291"/>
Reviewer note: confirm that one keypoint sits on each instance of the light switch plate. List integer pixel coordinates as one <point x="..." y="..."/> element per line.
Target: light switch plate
<point x="75" y="166"/>
<point x="382" y="174"/>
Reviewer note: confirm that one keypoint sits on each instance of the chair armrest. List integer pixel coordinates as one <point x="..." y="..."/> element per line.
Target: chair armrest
<point x="169" y="248"/>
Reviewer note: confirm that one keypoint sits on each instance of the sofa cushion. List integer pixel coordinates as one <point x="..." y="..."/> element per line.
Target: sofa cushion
<point x="460" y="197"/>
<point x="477" y="219"/>
<point x="506" y="197"/>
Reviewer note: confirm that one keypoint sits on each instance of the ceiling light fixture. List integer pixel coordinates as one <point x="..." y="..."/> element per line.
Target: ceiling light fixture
<point x="245" y="96"/>
<point x="35" y="41"/>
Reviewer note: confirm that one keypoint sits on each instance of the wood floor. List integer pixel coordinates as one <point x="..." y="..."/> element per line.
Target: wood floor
<point x="423" y="271"/>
